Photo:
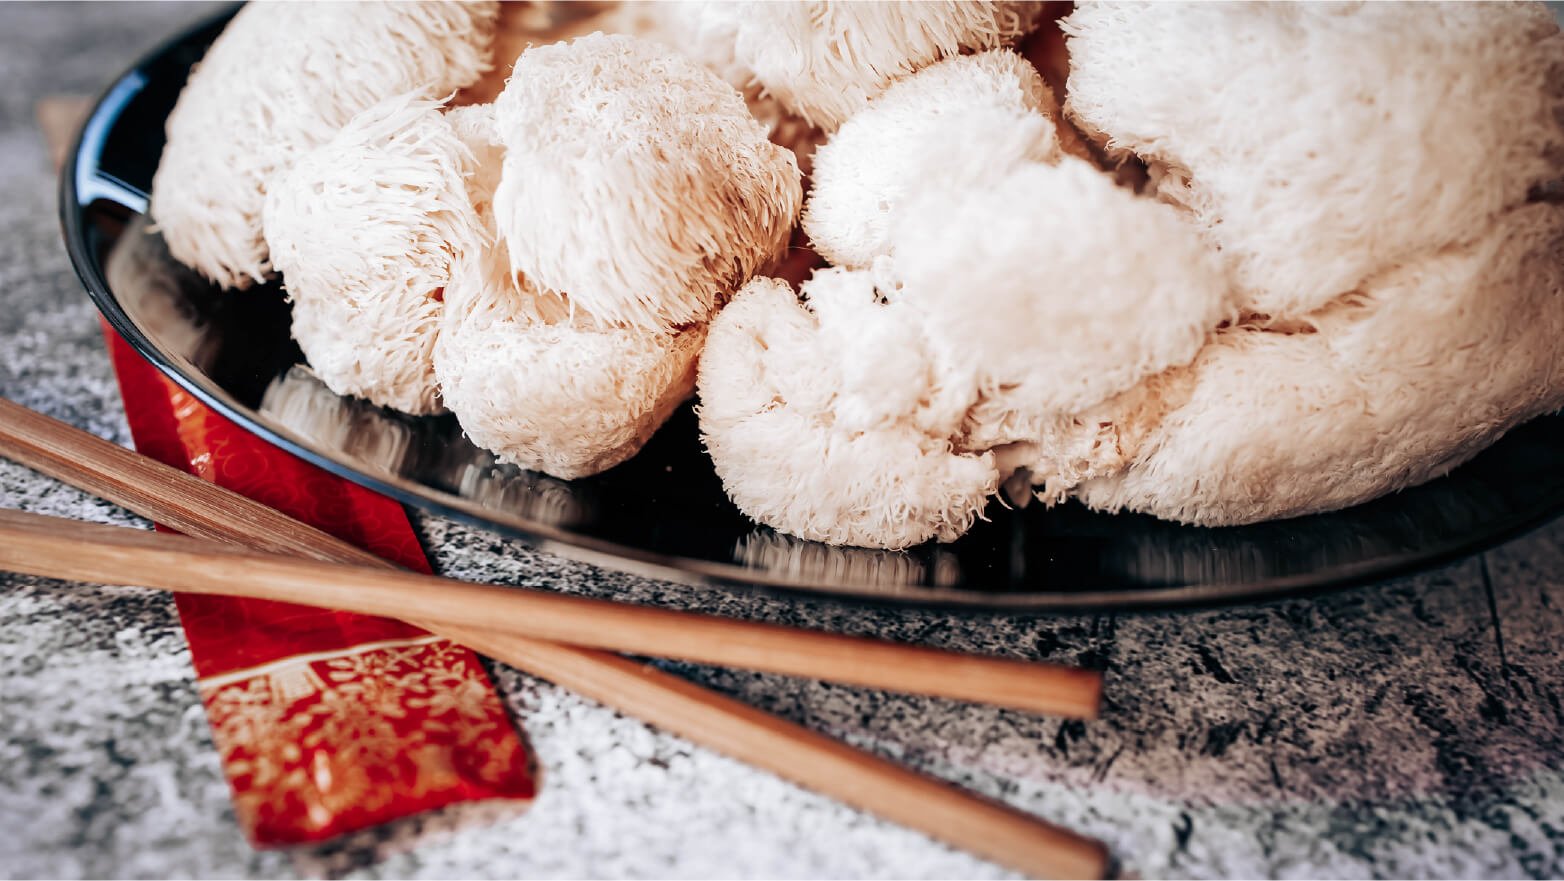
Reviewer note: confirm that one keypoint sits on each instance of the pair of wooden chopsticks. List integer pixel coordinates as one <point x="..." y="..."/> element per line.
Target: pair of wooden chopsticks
<point x="235" y="546"/>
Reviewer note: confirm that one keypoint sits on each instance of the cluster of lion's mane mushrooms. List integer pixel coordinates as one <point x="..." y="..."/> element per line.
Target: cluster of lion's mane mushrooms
<point x="1246" y="262"/>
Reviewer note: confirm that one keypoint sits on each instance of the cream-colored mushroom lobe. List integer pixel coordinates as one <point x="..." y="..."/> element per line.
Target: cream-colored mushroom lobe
<point x="882" y="154"/>
<point x="366" y="229"/>
<point x="825" y="60"/>
<point x="1318" y="144"/>
<point x="636" y="182"/>
<point x="1428" y="365"/>
<point x="281" y="79"/>
<point x="542" y="385"/>
<point x="881" y="474"/>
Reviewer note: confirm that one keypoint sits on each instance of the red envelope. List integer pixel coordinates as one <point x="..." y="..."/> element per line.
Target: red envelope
<point x="327" y="722"/>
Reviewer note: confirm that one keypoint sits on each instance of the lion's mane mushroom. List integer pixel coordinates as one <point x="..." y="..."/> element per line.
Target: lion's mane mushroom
<point x="636" y="182"/>
<point x="566" y="397"/>
<point x="1400" y="288"/>
<point x="542" y="385"/>
<point x="986" y="342"/>
<point x="1334" y="284"/>
<point x="1085" y="291"/>
<point x="281" y="79"/>
<point x="880" y="155"/>
<point x="365" y="230"/>
<point x="1428" y="364"/>
<point x="829" y="422"/>
<point x="709" y="40"/>
<point x="1055" y="285"/>
<point x="825" y="60"/>
<point x="1320" y="144"/>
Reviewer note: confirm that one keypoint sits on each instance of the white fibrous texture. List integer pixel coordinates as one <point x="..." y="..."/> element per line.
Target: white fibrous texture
<point x="365" y="230"/>
<point x="1428" y="364"/>
<point x="1056" y="288"/>
<point x="281" y="79"/>
<point x="538" y="386"/>
<point x="636" y="182"/>
<point x="831" y="422"/>
<point x="825" y="60"/>
<point x="955" y="111"/>
<point x="474" y="127"/>
<point x="1022" y="304"/>
<point x="1319" y="143"/>
<point x="706" y="39"/>
<point x="567" y="397"/>
<point x="709" y="40"/>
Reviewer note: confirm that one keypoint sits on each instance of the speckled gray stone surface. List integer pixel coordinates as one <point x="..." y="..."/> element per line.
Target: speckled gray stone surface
<point x="1383" y="731"/>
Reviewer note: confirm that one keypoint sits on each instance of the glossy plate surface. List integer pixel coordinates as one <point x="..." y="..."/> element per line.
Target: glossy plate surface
<point x="664" y="513"/>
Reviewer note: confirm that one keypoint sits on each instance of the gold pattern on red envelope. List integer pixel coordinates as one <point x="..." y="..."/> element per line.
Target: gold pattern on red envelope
<point x="313" y="738"/>
<point x="327" y="722"/>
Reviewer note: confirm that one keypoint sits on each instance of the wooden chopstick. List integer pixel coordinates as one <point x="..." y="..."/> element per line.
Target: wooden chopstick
<point x="59" y="548"/>
<point x="161" y="492"/>
<point x="968" y="821"/>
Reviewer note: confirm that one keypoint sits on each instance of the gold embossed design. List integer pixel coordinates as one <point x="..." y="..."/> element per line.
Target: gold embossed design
<point x="324" y="742"/>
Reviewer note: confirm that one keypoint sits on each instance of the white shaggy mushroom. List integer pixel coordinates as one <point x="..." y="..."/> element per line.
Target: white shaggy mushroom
<point x="883" y="152"/>
<point x="825" y="60"/>
<point x="283" y="78"/>
<point x="365" y="230"/>
<point x="566" y="398"/>
<point x="636" y="182"/>
<point x="1319" y="143"/>
<point x="538" y="386"/>
<point x="1053" y="286"/>
<point x="709" y="40"/>
<point x="1020" y="298"/>
<point x="1352" y="291"/>
<point x="1427" y="366"/>
<point x="800" y="446"/>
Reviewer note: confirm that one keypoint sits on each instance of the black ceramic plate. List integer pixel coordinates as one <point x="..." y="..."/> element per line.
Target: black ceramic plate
<point x="664" y="512"/>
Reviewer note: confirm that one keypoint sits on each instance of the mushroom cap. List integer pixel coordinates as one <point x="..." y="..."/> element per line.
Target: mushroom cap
<point x="1055" y="287"/>
<point x="1428" y="364"/>
<point x="569" y="397"/>
<point x="1319" y="143"/>
<point x="537" y="385"/>
<point x="798" y="445"/>
<point x="559" y="398"/>
<point x="365" y="229"/>
<point x="636" y="182"/>
<point x="824" y="61"/>
<point x="881" y="154"/>
<point x="709" y="40"/>
<point x="283" y="78"/>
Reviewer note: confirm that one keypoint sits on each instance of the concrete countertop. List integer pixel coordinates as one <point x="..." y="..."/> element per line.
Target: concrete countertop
<point x="1408" y="728"/>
